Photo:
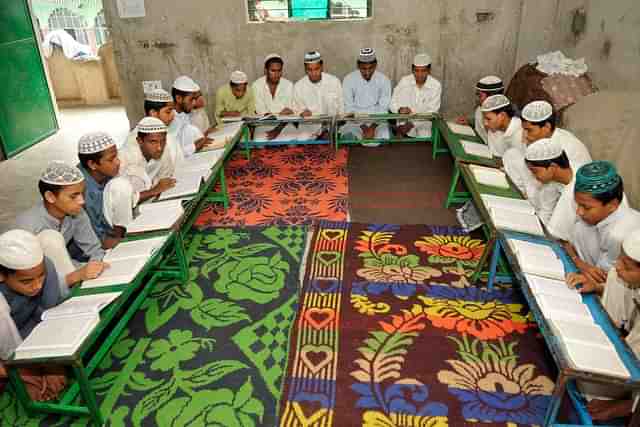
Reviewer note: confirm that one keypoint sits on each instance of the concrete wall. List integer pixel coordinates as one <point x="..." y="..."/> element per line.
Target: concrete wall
<point x="208" y="40"/>
<point x="606" y="33"/>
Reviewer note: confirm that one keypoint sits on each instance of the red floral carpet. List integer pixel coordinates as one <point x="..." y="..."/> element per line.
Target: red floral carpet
<point x="283" y="186"/>
<point x="390" y="333"/>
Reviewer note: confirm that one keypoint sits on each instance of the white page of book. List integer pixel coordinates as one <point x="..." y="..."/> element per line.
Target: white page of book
<point x="226" y="120"/>
<point x="187" y="183"/>
<point x="552" y="268"/>
<point x="558" y="288"/>
<point x="46" y="338"/>
<point x="498" y="202"/>
<point x="227" y="133"/>
<point x="596" y="359"/>
<point x="119" y="272"/>
<point x="476" y="149"/>
<point x="553" y="304"/>
<point x="532" y="248"/>
<point x="489" y="176"/>
<point x="135" y="248"/>
<point x="85" y="304"/>
<point x="552" y="315"/>
<point x="586" y="334"/>
<point x="516" y="221"/>
<point x="201" y="161"/>
<point x="289" y="133"/>
<point x="156" y="216"/>
<point x="461" y="129"/>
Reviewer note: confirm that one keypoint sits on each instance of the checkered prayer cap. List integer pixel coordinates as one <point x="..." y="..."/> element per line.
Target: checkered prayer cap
<point x="151" y="125"/>
<point x="95" y="142"/>
<point x="60" y="173"/>
<point x="158" y="95"/>
<point x="543" y="149"/>
<point x="186" y="84"/>
<point x="367" y="55"/>
<point x="631" y="245"/>
<point x="495" y="102"/>
<point x="597" y="178"/>
<point x="490" y="84"/>
<point x="20" y="250"/>
<point x="537" y="111"/>
<point x="312" y="57"/>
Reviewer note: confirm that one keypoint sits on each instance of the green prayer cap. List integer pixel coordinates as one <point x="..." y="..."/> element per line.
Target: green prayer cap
<point x="597" y="177"/>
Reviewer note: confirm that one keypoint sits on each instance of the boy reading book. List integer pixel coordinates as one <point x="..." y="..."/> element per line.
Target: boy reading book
<point x="109" y="199"/>
<point x="28" y="286"/>
<point x="603" y="219"/>
<point x="486" y="86"/>
<point x="503" y="127"/>
<point x="62" y="225"/>
<point x="620" y="297"/>
<point x="189" y="138"/>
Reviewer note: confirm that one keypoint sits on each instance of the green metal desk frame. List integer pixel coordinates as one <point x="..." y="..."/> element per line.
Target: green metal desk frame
<point x="456" y="150"/>
<point x="488" y="227"/>
<point x="434" y="138"/>
<point x="168" y="263"/>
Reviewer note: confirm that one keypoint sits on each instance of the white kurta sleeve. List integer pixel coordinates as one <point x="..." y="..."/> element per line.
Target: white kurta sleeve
<point x="299" y="103"/>
<point x="10" y="338"/>
<point x="434" y="98"/>
<point x="399" y="98"/>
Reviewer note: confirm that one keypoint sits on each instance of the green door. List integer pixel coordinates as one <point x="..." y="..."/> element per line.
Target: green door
<point x="27" y="115"/>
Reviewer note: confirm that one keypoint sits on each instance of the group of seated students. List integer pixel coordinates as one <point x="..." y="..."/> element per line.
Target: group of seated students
<point x="85" y="209"/>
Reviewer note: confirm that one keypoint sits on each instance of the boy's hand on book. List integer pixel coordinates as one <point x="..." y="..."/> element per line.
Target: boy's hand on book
<point x="587" y="285"/>
<point x="165" y="184"/>
<point x="594" y="273"/>
<point x="93" y="269"/>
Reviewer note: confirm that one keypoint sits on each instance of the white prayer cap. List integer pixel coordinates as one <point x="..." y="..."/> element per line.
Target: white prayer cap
<point x="367" y="55"/>
<point x="272" y="56"/>
<point x="543" y="149"/>
<point x="60" y="173"/>
<point x="312" y="57"/>
<point x="238" y="77"/>
<point x="495" y="102"/>
<point x="20" y="250"/>
<point x="631" y="245"/>
<point x="95" y="142"/>
<point x="151" y="125"/>
<point x="158" y="95"/>
<point x="186" y="84"/>
<point x="537" y="111"/>
<point x="422" y="60"/>
<point x="490" y="84"/>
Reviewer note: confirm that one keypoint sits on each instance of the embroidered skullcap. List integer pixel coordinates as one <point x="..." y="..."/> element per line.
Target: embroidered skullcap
<point x="597" y="177"/>
<point x="422" y="60"/>
<point x="631" y="245"/>
<point x="495" y="102"/>
<point x="60" y="173"/>
<point x="537" y="111"/>
<point x="238" y="77"/>
<point x="186" y="84"/>
<point x="367" y="55"/>
<point x="158" y="95"/>
<point x="543" y="149"/>
<point x="490" y="84"/>
<point x="95" y="142"/>
<point x="312" y="57"/>
<point x="151" y="125"/>
<point x="20" y="250"/>
<point x="272" y="56"/>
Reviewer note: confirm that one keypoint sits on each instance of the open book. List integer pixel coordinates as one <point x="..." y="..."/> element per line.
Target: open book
<point x="201" y="161"/>
<point x="498" y="203"/>
<point x="476" y="149"/>
<point x="537" y="259"/>
<point x="225" y="135"/>
<point x="156" y="216"/>
<point x="516" y="221"/>
<point x="461" y="129"/>
<point x="491" y="177"/>
<point x="65" y="327"/>
<point x="554" y="288"/>
<point x="125" y="262"/>
<point x="288" y="133"/>
<point x="188" y="182"/>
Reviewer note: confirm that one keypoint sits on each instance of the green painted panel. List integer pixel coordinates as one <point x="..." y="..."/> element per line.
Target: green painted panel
<point x="15" y="22"/>
<point x="26" y="111"/>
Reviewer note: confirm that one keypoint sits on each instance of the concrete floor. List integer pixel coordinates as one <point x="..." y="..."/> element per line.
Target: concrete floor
<point x="19" y="175"/>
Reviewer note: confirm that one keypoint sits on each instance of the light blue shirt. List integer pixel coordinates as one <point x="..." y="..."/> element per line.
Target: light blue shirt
<point x="94" y="204"/>
<point x="370" y="97"/>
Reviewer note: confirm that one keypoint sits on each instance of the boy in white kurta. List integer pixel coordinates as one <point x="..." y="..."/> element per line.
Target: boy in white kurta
<point x="416" y="93"/>
<point x="486" y="86"/>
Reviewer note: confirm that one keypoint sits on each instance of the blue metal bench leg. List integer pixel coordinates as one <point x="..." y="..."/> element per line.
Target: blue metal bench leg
<point x="494" y="264"/>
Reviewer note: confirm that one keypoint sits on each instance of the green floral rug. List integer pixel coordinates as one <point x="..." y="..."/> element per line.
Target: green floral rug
<point x="210" y="352"/>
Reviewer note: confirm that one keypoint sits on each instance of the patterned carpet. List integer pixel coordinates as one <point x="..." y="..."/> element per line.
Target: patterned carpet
<point x="283" y="186"/>
<point x="211" y="352"/>
<point x="390" y="333"/>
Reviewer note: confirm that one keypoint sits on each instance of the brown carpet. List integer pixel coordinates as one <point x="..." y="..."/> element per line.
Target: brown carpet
<point x="399" y="184"/>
